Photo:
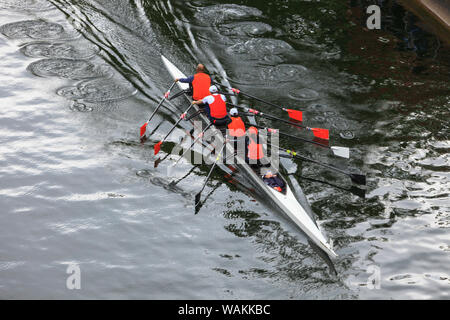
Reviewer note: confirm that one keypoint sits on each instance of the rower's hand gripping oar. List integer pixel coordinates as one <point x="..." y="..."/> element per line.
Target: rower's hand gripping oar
<point x="157" y="147"/>
<point x="342" y="152"/>
<point x="356" y="178"/>
<point x="293" y="114"/>
<point x="166" y="95"/>
<point x="198" y="195"/>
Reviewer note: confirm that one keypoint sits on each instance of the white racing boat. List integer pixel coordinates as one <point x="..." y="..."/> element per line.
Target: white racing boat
<point x="285" y="203"/>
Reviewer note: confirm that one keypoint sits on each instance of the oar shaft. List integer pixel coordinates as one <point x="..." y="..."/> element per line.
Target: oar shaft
<point x="195" y="141"/>
<point x="294" y="137"/>
<point x="212" y="168"/>
<point x="261" y="100"/>
<point x="294" y="154"/>
<point x="161" y="102"/>
<point x="268" y="116"/>
<point x="176" y="123"/>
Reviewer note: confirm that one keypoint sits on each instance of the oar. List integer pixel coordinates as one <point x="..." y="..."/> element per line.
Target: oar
<point x="183" y="115"/>
<point x="198" y="195"/>
<point x="200" y="205"/>
<point x="195" y="141"/>
<point x="356" y="178"/>
<point x="342" y="152"/>
<point x="166" y="95"/>
<point x="294" y="114"/>
<point x="323" y="134"/>
<point x="353" y="189"/>
<point x="175" y="182"/>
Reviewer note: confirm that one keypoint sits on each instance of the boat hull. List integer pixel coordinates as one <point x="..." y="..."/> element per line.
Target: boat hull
<point x="285" y="204"/>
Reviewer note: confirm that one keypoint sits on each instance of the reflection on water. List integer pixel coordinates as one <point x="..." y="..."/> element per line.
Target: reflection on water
<point x="86" y="190"/>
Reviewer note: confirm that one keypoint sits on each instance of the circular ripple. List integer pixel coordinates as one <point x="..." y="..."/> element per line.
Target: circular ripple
<point x="284" y="72"/>
<point x="144" y="173"/>
<point x="347" y="134"/>
<point x="257" y="49"/>
<point x="244" y="29"/>
<point x="57" y="50"/>
<point x="74" y="69"/>
<point x="32" y="5"/>
<point x="320" y="119"/>
<point x="98" y="90"/>
<point x="37" y="29"/>
<point x="303" y="94"/>
<point x="246" y="77"/>
<point x="81" y="107"/>
<point x="71" y="93"/>
<point x="221" y="13"/>
<point x="339" y="123"/>
<point x="267" y="75"/>
<point x="318" y="107"/>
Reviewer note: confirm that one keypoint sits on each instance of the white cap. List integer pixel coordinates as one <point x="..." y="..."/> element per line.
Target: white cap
<point x="234" y="112"/>
<point x="266" y="171"/>
<point x="213" y="89"/>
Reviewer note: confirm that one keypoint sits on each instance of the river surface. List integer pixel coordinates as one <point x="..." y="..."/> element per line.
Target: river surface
<point x="78" y="79"/>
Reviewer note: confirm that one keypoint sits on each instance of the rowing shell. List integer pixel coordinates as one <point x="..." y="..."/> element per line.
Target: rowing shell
<point x="286" y="204"/>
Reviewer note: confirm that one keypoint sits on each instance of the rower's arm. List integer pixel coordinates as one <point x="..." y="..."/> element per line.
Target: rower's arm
<point x="185" y="80"/>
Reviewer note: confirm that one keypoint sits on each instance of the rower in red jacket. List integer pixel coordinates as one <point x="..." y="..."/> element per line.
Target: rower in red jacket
<point x="255" y="151"/>
<point x="236" y="127"/>
<point x="236" y="130"/>
<point x="199" y="83"/>
<point x="215" y="107"/>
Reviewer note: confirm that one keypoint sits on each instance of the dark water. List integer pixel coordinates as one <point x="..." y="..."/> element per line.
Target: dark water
<point x="77" y="187"/>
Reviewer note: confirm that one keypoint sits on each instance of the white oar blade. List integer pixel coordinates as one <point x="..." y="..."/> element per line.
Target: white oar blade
<point x="342" y="152"/>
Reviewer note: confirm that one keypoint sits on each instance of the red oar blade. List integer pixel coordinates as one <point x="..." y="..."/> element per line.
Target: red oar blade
<point x="295" y="114"/>
<point x="143" y="128"/>
<point x="157" y="147"/>
<point x="321" y="133"/>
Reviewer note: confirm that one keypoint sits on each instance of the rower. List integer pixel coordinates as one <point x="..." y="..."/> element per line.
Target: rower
<point x="215" y="107"/>
<point x="255" y="152"/>
<point x="236" y="128"/>
<point x="199" y="83"/>
<point x="273" y="181"/>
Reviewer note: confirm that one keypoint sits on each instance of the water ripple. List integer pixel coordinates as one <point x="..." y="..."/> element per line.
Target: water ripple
<point x="303" y="94"/>
<point x="36" y="29"/>
<point x="75" y="69"/>
<point x="244" y="29"/>
<point x="58" y="50"/>
<point x="98" y="90"/>
<point x="260" y="48"/>
<point x="221" y="13"/>
<point x="31" y="5"/>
